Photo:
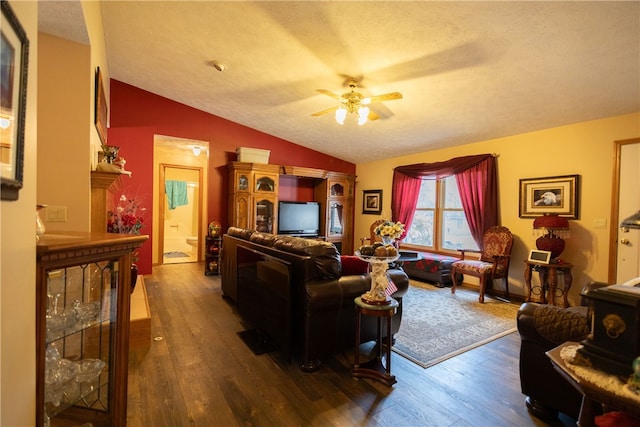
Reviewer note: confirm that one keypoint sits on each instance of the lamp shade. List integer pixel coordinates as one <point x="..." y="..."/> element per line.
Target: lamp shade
<point x="553" y="226"/>
<point x="551" y="222"/>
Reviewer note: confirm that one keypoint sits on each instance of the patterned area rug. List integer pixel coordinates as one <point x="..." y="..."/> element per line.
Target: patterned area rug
<point x="437" y="324"/>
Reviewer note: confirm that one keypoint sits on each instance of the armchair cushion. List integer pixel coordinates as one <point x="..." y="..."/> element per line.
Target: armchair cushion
<point x="479" y="267"/>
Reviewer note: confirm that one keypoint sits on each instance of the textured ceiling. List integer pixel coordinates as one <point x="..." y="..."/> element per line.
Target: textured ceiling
<point x="468" y="71"/>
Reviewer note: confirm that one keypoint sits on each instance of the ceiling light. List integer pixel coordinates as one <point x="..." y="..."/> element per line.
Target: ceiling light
<point x="363" y="115"/>
<point x="341" y="114"/>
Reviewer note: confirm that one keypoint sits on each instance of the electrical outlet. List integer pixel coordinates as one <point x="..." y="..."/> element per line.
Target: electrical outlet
<point x="56" y="213"/>
<point x="600" y="223"/>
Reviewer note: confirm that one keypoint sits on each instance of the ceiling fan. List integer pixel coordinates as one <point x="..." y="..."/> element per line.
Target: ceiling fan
<point x="355" y="102"/>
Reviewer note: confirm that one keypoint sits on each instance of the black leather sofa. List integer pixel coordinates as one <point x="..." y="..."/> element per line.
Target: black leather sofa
<point x="294" y="291"/>
<point x="543" y="327"/>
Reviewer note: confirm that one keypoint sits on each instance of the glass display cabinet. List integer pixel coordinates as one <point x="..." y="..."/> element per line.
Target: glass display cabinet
<point x="337" y="192"/>
<point x="82" y="328"/>
<point x="253" y="196"/>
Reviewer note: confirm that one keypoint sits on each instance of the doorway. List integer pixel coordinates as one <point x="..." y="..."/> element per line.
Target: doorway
<point x="180" y="216"/>
<point x="187" y="161"/>
<point x="625" y="243"/>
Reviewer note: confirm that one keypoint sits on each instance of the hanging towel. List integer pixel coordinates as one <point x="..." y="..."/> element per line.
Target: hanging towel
<point x="176" y="193"/>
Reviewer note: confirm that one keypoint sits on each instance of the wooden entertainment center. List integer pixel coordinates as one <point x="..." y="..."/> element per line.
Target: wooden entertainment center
<point x="254" y="194"/>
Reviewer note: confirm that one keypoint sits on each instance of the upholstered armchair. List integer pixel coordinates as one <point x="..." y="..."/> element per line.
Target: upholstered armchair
<point x="495" y="255"/>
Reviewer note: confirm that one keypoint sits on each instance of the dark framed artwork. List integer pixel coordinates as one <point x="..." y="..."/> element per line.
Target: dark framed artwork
<point x="101" y="110"/>
<point x="551" y="195"/>
<point x="372" y="202"/>
<point x="14" y="61"/>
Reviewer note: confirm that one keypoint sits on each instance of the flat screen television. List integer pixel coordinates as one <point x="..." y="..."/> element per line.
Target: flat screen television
<point x="299" y="218"/>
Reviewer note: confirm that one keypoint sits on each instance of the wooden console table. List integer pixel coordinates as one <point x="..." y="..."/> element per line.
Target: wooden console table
<point x="548" y="281"/>
<point x="593" y="395"/>
<point x="374" y="369"/>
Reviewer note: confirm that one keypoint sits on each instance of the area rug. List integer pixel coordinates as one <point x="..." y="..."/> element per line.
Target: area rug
<point x="437" y="324"/>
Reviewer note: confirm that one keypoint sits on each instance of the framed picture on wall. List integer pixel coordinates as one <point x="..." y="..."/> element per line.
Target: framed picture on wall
<point x="14" y="61"/>
<point x="551" y="195"/>
<point x="372" y="202"/>
<point x="101" y="110"/>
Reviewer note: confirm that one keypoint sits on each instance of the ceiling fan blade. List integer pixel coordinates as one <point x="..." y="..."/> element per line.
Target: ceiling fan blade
<point x="328" y="110"/>
<point x="372" y="116"/>
<point x="386" y="97"/>
<point x="329" y="93"/>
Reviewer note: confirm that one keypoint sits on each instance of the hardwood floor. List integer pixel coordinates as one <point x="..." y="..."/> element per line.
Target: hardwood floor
<point x="199" y="373"/>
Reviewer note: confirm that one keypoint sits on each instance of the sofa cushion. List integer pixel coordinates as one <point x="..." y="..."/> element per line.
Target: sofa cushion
<point x="324" y="255"/>
<point x="351" y="264"/>
<point x="241" y="233"/>
<point x="264" y="239"/>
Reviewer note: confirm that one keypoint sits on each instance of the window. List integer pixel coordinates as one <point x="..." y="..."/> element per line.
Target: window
<point x="439" y="223"/>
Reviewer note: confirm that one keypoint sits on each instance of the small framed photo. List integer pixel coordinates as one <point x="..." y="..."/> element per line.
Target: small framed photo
<point x="372" y="202"/>
<point x="552" y="195"/>
<point x="542" y="257"/>
<point x="14" y="61"/>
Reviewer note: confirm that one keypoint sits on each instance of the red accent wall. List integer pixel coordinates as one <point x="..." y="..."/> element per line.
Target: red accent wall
<point x="137" y="115"/>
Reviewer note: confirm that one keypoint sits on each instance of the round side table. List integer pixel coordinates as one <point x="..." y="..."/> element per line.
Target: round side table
<point x="375" y="369"/>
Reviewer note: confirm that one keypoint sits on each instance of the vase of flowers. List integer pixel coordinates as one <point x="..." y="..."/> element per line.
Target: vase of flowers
<point x="126" y="217"/>
<point x="389" y="231"/>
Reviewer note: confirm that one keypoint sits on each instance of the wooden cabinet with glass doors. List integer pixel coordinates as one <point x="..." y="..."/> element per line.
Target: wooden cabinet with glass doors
<point x="336" y="195"/>
<point x="82" y="328"/>
<point x="253" y="196"/>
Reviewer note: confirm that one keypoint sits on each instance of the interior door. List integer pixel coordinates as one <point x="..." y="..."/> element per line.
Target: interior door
<point x="627" y="242"/>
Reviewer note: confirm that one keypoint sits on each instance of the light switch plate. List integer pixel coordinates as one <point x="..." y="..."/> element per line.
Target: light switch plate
<point x="56" y="213"/>
<point x="600" y="223"/>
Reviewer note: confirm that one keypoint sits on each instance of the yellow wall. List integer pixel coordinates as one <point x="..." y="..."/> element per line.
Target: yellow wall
<point x="585" y="149"/>
<point x="66" y="131"/>
<point x="64" y="115"/>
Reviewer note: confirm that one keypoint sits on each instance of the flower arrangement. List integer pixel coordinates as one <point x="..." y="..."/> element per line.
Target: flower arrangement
<point x="126" y="216"/>
<point x="390" y="229"/>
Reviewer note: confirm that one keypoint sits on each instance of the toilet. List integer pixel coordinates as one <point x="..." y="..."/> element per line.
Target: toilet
<point x="193" y="241"/>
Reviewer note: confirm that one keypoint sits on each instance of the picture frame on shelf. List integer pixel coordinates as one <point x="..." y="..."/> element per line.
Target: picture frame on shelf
<point x="14" y="64"/>
<point x="550" y="195"/>
<point x="372" y="202"/>
<point x="542" y="257"/>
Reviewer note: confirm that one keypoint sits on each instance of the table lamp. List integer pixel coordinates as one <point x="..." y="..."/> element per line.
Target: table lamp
<point x="554" y="228"/>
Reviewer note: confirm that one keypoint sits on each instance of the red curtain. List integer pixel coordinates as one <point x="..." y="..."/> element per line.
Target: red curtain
<point x="477" y="185"/>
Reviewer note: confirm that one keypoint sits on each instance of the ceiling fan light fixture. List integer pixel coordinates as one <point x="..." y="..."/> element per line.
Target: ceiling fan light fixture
<point x="341" y="114"/>
<point x="363" y="115"/>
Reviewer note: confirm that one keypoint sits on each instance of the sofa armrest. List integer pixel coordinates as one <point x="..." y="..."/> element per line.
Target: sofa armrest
<point x="551" y="325"/>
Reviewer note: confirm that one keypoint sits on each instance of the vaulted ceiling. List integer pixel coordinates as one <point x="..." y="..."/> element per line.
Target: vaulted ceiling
<point x="468" y="71"/>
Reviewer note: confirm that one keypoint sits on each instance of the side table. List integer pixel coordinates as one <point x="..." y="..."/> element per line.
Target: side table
<point x="374" y="369"/>
<point x="597" y="390"/>
<point x="548" y="280"/>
